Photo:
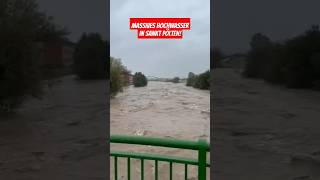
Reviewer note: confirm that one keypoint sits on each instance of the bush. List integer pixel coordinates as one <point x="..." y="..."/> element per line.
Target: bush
<point x="175" y="80"/>
<point x="115" y="76"/>
<point x="258" y="56"/>
<point x="201" y="81"/>
<point x="139" y="80"/>
<point x="22" y="27"/>
<point x="116" y="80"/>
<point x="217" y="56"/>
<point x="90" y="57"/>
<point x="191" y="79"/>
<point x="294" y="62"/>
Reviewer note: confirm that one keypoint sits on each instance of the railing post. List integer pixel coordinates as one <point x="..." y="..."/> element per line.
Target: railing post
<point x="202" y="159"/>
<point x="201" y="146"/>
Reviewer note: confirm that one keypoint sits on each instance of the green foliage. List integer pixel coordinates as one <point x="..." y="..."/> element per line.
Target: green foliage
<point x="90" y="57"/>
<point x="175" y="80"/>
<point x="218" y="55"/>
<point x="294" y="62"/>
<point x="201" y="81"/>
<point x="258" y="56"/>
<point x="139" y="80"/>
<point x="191" y="79"/>
<point x="116" y="76"/>
<point x="22" y="26"/>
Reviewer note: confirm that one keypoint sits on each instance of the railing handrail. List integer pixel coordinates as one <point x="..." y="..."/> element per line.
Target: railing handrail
<point x="163" y="142"/>
<point x="201" y="146"/>
<point x="157" y="157"/>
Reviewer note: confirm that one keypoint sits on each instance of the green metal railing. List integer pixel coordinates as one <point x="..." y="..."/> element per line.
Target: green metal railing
<point x="201" y="146"/>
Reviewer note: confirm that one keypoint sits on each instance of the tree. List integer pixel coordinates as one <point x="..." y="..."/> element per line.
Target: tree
<point x="217" y="56"/>
<point x="22" y="27"/>
<point x="90" y="57"/>
<point x="116" y="79"/>
<point x="191" y="79"/>
<point x="201" y="81"/>
<point x="176" y="80"/>
<point x="294" y="62"/>
<point x="139" y="80"/>
<point x="258" y="56"/>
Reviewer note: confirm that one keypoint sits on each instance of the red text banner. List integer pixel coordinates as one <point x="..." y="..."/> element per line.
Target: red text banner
<point x="160" y="28"/>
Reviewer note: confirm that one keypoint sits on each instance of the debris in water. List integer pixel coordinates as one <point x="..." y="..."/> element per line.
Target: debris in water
<point x="305" y="157"/>
<point x="316" y="153"/>
<point x="140" y="132"/>
<point x="239" y="133"/>
<point x="302" y="178"/>
<point x="74" y="123"/>
<point x="205" y="111"/>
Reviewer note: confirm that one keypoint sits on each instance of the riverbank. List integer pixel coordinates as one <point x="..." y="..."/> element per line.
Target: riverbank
<point x="262" y="131"/>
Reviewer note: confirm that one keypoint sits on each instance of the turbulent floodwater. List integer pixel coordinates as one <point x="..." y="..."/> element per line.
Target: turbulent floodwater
<point x="161" y="109"/>
<point x="61" y="136"/>
<point x="264" y="131"/>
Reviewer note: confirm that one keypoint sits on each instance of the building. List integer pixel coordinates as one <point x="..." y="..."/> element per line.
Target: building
<point x="57" y="53"/>
<point x="234" y="61"/>
<point x="127" y="77"/>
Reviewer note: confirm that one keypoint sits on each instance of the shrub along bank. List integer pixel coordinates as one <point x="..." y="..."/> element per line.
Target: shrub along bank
<point x="294" y="62"/>
<point x="200" y="81"/>
<point x="139" y="80"/>
<point x="117" y="82"/>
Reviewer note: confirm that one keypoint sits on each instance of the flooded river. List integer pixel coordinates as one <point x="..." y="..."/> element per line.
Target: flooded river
<point x="161" y="109"/>
<point x="61" y="136"/>
<point x="263" y="131"/>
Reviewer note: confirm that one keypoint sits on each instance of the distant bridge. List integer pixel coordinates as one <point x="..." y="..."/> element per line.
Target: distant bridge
<point x="153" y="77"/>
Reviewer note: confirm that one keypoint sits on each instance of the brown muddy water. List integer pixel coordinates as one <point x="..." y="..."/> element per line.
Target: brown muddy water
<point x="61" y="136"/>
<point x="263" y="131"/>
<point x="161" y="109"/>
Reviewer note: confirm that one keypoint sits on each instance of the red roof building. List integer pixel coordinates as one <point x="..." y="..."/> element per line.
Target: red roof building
<point x="57" y="53"/>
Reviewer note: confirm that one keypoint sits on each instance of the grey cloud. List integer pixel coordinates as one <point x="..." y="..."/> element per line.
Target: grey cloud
<point x="77" y="15"/>
<point x="162" y="58"/>
<point x="236" y="21"/>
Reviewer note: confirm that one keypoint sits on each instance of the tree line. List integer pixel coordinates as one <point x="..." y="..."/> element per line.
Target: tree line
<point x="294" y="62"/>
<point x="23" y="26"/>
<point x="23" y="29"/>
<point x="91" y="57"/>
<point x="119" y="77"/>
<point x="200" y="81"/>
<point x="117" y="69"/>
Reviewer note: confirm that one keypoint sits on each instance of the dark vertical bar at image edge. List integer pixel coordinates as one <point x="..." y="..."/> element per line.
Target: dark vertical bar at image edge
<point x="211" y="87"/>
<point x="107" y="14"/>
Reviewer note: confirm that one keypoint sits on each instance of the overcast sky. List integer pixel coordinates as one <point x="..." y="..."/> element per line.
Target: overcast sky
<point x="77" y="15"/>
<point x="235" y="21"/>
<point x="161" y="58"/>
